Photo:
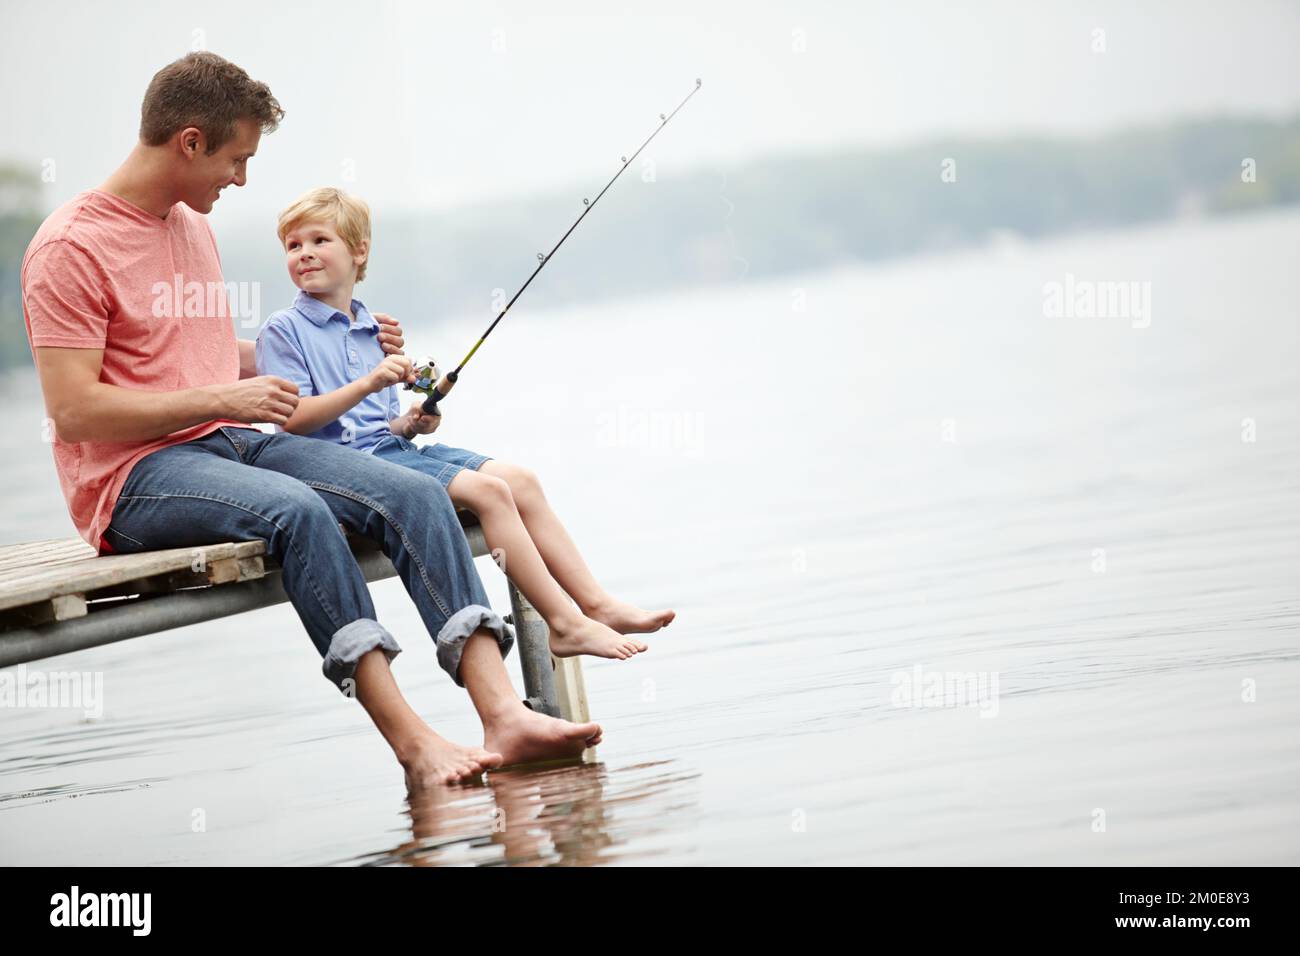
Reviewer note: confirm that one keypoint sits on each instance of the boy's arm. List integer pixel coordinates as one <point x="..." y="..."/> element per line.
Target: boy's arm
<point x="317" y="411"/>
<point x="390" y="340"/>
<point x="278" y="353"/>
<point x="398" y="423"/>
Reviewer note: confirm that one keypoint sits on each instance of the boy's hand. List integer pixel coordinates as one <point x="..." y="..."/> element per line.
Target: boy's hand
<point x="393" y="369"/>
<point x="415" y="422"/>
<point x="390" y="333"/>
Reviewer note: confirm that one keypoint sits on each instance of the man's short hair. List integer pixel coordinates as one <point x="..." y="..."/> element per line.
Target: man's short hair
<point x="347" y="215"/>
<point x="208" y="92"/>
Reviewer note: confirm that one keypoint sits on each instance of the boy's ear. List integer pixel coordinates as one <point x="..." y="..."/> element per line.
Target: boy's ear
<point x="362" y="253"/>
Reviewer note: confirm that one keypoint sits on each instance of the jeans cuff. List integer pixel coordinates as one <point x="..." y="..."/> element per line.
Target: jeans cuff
<point x="451" y="639"/>
<point x="348" y="645"/>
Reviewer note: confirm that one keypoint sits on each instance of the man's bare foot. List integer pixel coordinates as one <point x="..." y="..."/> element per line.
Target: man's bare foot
<point x="435" y="761"/>
<point x="628" y="618"/>
<point x="585" y="636"/>
<point x="525" y="736"/>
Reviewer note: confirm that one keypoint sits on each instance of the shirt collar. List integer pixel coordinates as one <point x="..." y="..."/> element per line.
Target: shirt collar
<point x="319" y="313"/>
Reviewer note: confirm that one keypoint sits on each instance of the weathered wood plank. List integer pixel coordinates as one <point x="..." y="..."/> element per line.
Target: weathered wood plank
<point x="43" y="553"/>
<point x="31" y="584"/>
<point x="227" y="571"/>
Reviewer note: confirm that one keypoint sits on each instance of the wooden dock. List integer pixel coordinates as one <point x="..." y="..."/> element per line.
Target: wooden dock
<point x="58" y="596"/>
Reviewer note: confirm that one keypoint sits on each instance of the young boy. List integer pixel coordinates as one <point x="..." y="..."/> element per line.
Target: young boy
<point x="325" y="344"/>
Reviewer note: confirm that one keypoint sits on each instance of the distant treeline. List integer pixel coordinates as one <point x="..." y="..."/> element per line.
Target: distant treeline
<point x="777" y="214"/>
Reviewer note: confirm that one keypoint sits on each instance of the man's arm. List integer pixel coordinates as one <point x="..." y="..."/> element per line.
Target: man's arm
<point x="247" y="358"/>
<point x="85" y="409"/>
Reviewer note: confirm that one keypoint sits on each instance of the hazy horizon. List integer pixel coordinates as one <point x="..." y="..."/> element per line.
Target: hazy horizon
<point x="454" y="106"/>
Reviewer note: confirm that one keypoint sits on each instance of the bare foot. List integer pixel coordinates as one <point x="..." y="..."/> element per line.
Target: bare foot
<point x="630" y="619"/>
<point x="585" y="636"/>
<point x="435" y="761"/>
<point x="525" y="736"/>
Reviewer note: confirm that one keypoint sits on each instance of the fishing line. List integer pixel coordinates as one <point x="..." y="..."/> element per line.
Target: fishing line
<point x="427" y="373"/>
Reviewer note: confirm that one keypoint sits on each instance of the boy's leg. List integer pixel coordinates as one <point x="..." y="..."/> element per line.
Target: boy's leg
<point x="201" y="492"/>
<point x="563" y="560"/>
<point x="572" y="632"/>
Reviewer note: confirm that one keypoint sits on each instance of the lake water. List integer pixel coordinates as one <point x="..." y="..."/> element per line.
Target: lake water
<point x="850" y="485"/>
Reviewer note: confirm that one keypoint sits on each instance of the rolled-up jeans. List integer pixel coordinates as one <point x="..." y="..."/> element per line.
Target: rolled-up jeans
<point x="237" y="484"/>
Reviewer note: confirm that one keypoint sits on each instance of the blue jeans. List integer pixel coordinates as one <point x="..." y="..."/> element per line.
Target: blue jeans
<point x="237" y="484"/>
<point x="439" y="461"/>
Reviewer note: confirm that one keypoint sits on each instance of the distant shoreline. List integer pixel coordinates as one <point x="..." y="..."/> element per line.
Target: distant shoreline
<point x="767" y="217"/>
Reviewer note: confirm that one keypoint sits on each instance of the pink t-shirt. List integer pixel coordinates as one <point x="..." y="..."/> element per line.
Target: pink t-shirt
<point x="102" y="273"/>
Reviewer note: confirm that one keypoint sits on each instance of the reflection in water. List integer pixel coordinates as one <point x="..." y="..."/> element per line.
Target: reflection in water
<point x="572" y="815"/>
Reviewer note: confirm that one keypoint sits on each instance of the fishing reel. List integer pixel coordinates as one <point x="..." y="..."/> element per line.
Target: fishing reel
<point x="431" y="382"/>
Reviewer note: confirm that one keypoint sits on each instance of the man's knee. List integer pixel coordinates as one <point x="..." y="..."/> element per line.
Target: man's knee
<point x="297" y="503"/>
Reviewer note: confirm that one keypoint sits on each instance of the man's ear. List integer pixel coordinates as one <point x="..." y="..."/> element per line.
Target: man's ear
<point x="192" y="142"/>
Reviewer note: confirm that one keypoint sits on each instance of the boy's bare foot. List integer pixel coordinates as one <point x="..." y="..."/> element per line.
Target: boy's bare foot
<point x="525" y="736"/>
<point x="435" y="761"/>
<point x="585" y="636"/>
<point x="628" y="618"/>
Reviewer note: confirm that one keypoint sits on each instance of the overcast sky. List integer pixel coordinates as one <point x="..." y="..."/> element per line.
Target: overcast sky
<point x="437" y="104"/>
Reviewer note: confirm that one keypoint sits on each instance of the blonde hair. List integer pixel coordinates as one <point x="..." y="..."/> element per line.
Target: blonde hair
<point x="349" y="216"/>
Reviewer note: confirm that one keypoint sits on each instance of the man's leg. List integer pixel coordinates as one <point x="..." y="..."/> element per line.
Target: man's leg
<point x="427" y="758"/>
<point x="413" y="519"/>
<point x="200" y="493"/>
<point x="563" y="559"/>
<point x="510" y="729"/>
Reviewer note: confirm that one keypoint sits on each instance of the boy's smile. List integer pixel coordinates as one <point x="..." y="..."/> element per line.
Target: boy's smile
<point x="318" y="259"/>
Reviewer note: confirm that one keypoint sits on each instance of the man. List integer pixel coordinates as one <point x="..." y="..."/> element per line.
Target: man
<point x="154" y="445"/>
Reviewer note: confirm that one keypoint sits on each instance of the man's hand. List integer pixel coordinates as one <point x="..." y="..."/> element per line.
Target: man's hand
<point x="390" y="333"/>
<point x="393" y="369"/>
<point x="391" y="340"/>
<point x="263" y="398"/>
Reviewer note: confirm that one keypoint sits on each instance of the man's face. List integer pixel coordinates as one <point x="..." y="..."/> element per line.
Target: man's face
<point x="228" y="166"/>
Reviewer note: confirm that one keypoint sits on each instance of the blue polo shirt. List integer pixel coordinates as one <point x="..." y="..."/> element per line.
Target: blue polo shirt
<point x="321" y="349"/>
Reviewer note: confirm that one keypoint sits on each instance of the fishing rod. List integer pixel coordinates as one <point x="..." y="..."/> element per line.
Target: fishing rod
<point x="427" y="374"/>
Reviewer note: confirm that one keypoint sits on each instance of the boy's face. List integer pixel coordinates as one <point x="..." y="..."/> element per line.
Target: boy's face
<point x="318" y="259"/>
